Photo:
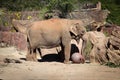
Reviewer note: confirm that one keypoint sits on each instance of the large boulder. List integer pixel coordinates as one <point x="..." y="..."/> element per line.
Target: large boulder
<point x="13" y="39"/>
<point x="114" y="46"/>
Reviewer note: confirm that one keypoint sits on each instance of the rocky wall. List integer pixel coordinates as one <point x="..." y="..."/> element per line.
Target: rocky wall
<point x="13" y="39"/>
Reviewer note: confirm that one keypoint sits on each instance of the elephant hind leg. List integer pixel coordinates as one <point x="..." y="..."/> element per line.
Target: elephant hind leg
<point x="29" y="56"/>
<point x="39" y="51"/>
<point x="34" y="55"/>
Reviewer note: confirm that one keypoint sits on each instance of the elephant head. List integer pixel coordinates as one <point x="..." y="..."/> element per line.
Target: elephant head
<point x="77" y="30"/>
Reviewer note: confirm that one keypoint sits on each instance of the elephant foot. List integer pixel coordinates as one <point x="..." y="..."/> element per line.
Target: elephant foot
<point x="34" y="59"/>
<point x="67" y="62"/>
<point x="29" y="58"/>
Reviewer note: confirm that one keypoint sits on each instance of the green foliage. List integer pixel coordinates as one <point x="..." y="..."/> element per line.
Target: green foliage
<point x="3" y="18"/>
<point x="42" y="12"/>
<point x="64" y="6"/>
<point x="88" y="49"/>
<point x="114" y="7"/>
<point x="18" y="5"/>
<point x="112" y="65"/>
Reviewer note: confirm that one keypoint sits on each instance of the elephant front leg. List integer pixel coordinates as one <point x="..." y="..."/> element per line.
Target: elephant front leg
<point x="67" y="53"/>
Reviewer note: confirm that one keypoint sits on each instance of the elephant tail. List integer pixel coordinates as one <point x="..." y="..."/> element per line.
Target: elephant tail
<point x="19" y="26"/>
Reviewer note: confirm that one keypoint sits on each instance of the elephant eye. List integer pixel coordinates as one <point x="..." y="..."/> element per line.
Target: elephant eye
<point x="83" y="31"/>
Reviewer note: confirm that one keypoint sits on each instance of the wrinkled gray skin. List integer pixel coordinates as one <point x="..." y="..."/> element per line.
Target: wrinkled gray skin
<point x="52" y="33"/>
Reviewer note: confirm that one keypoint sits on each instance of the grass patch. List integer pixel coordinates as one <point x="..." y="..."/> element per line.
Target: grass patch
<point x="88" y="49"/>
<point x="112" y="65"/>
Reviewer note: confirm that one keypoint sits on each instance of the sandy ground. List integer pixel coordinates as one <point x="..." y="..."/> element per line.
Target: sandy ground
<point x="51" y="70"/>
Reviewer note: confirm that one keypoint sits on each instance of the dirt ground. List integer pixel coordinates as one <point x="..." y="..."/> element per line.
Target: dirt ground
<point x="51" y="70"/>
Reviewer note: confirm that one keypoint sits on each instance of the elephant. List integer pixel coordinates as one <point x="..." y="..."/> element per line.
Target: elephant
<point x="52" y="33"/>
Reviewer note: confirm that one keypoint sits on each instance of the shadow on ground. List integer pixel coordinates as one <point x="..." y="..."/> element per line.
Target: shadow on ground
<point x="49" y="58"/>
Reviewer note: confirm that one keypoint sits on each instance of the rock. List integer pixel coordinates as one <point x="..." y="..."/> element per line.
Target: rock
<point x="113" y="51"/>
<point x="7" y="60"/>
<point x="13" y="39"/>
<point x="5" y="28"/>
<point x="5" y="37"/>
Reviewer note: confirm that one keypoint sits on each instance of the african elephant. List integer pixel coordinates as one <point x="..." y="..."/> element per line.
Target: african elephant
<point x="52" y="33"/>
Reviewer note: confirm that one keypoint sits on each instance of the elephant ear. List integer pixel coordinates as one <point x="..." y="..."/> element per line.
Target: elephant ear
<point x="77" y="31"/>
<point x="74" y="29"/>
